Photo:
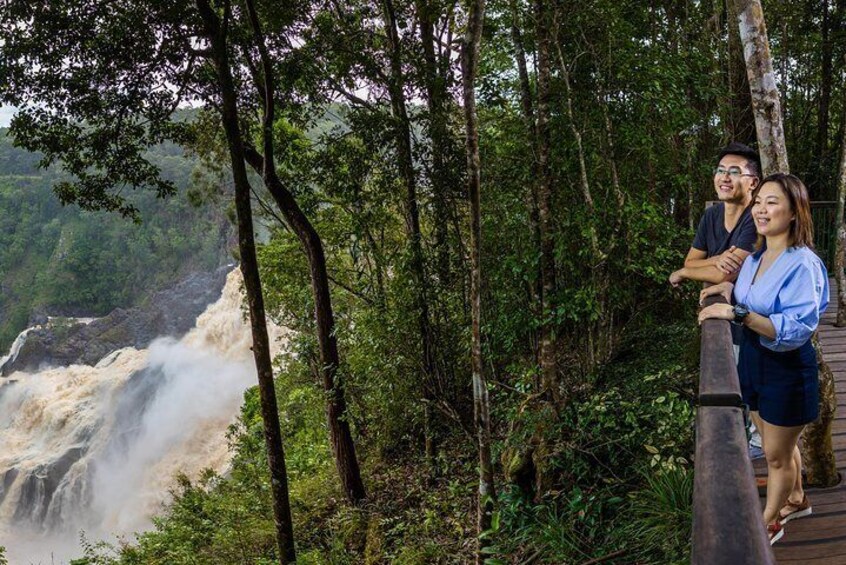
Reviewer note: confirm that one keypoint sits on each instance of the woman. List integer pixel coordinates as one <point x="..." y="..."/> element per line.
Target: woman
<point x="779" y="295"/>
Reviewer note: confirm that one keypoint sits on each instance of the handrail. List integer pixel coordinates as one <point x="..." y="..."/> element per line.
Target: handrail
<point x="727" y="524"/>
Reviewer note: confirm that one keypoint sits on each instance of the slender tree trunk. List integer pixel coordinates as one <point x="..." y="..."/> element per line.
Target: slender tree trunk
<point x="481" y="402"/>
<point x="437" y="78"/>
<point x="549" y="364"/>
<point x="402" y="128"/>
<point x="720" y="67"/>
<point x="840" y="249"/>
<point x="741" y="123"/>
<point x="762" y="84"/>
<point x="584" y="183"/>
<point x="252" y="282"/>
<point x="523" y="72"/>
<point x="535" y="286"/>
<point x="690" y="149"/>
<point x="439" y="138"/>
<point x="619" y="195"/>
<point x="618" y="233"/>
<point x="825" y="85"/>
<point x="340" y="434"/>
<point x="818" y="457"/>
<point x="599" y="339"/>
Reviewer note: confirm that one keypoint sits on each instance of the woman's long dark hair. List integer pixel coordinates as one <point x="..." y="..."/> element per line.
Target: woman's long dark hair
<point x="802" y="229"/>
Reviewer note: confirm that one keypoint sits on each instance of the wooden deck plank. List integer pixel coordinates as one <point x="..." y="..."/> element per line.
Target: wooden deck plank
<point x="821" y="537"/>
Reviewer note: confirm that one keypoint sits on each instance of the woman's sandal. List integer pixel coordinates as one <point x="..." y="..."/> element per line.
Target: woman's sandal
<point x="792" y="510"/>
<point x="775" y="531"/>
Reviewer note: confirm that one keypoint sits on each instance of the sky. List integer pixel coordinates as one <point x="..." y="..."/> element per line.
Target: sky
<point x="6" y="113"/>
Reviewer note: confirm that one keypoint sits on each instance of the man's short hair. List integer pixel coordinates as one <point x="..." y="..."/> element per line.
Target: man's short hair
<point x="753" y="160"/>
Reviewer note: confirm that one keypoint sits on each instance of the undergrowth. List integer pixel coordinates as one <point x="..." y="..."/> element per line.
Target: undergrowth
<point x="621" y="489"/>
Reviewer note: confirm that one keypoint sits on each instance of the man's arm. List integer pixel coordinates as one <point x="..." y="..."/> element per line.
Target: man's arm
<point x="723" y="267"/>
<point x="709" y="274"/>
<point x="698" y="258"/>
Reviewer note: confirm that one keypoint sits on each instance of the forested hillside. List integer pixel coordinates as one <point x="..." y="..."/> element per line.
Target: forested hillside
<point x="511" y="382"/>
<point x="60" y="261"/>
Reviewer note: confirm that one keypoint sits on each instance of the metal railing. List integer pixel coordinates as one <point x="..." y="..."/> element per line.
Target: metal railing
<point x="823" y="214"/>
<point x="727" y="524"/>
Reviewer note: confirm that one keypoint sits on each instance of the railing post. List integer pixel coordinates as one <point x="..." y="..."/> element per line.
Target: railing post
<point x="727" y="523"/>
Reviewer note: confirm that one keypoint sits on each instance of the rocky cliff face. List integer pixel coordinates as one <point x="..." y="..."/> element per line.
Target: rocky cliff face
<point x="170" y="312"/>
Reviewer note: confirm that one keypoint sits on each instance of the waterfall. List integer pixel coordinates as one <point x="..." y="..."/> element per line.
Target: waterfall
<point x="97" y="448"/>
<point x="16" y="348"/>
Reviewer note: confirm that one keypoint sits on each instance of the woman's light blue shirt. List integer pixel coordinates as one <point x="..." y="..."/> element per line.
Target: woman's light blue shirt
<point x="792" y="293"/>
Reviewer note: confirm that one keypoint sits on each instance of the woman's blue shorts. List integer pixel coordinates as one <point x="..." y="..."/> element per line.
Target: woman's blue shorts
<point x="782" y="386"/>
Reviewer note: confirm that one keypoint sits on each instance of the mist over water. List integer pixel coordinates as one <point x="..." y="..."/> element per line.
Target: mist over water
<point x="96" y="448"/>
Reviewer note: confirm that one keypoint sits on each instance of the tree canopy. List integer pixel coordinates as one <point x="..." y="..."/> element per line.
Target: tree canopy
<point x="598" y="126"/>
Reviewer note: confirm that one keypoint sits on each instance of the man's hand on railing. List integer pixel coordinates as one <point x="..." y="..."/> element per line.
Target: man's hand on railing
<point x="724" y="289"/>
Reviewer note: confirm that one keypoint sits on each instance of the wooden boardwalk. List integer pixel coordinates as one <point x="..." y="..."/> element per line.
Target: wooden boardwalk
<point x="821" y="537"/>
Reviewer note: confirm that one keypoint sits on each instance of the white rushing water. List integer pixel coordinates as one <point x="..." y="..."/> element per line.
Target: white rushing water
<point x="15" y="349"/>
<point x="96" y="448"/>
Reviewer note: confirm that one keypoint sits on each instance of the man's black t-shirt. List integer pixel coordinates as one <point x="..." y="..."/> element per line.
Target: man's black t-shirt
<point x="712" y="237"/>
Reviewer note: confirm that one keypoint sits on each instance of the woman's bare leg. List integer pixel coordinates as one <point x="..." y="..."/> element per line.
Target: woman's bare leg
<point x="798" y="493"/>
<point x="782" y="469"/>
<point x="759" y="424"/>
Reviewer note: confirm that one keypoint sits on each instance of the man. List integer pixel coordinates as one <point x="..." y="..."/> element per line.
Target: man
<point x="726" y="233"/>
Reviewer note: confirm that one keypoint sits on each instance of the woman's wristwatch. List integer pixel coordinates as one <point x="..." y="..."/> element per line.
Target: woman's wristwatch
<point x="740" y="312"/>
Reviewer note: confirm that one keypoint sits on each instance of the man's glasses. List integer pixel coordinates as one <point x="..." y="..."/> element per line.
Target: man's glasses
<point x="733" y="172"/>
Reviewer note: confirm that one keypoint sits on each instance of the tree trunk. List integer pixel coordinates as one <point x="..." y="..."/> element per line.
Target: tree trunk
<point x="762" y="84"/>
<point x="436" y="97"/>
<point x="817" y="450"/>
<point x="402" y="129"/>
<point x="825" y="86"/>
<point x="523" y="72"/>
<point x="249" y="267"/>
<point x="535" y="286"/>
<point x="340" y="435"/>
<point x="818" y="455"/>
<point x="619" y="195"/>
<point x="549" y="365"/>
<point x="840" y="249"/>
<point x="599" y="338"/>
<point x="584" y="183"/>
<point x="741" y="125"/>
<point x="690" y="149"/>
<point x="481" y="402"/>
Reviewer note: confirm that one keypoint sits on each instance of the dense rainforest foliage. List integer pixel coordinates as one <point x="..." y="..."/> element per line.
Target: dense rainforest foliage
<point x="599" y="125"/>
<point x="62" y="261"/>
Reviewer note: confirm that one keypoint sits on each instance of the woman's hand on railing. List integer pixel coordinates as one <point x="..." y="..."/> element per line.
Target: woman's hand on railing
<point x="723" y="289"/>
<point x="717" y="311"/>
